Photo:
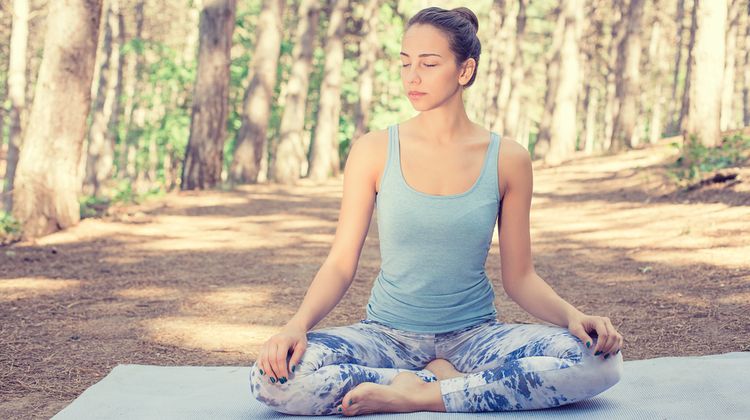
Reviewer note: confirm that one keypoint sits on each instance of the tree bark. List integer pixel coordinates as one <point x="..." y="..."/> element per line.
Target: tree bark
<point x="673" y="126"/>
<point x="100" y="161"/>
<point x="627" y="72"/>
<point x="250" y="159"/>
<point x="562" y="131"/>
<point x="727" y="95"/>
<point x="322" y="159"/>
<point x="17" y="95"/>
<point x="368" y="49"/>
<point x="45" y="197"/>
<point x="681" y="123"/>
<point x="205" y="149"/>
<point x="512" y="112"/>
<point x="286" y="161"/>
<point x="704" y="112"/>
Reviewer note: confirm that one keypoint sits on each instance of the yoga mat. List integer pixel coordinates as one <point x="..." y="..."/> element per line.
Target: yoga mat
<point x="698" y="387"/>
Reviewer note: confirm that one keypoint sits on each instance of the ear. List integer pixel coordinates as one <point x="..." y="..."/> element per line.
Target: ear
<point x="467" y="70"/>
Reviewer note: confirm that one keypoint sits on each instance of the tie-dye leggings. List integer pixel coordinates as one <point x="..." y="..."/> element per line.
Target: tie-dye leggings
<point x="506" y="366"/>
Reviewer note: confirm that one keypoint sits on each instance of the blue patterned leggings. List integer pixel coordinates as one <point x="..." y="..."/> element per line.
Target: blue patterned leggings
<point x="507" y="367"/>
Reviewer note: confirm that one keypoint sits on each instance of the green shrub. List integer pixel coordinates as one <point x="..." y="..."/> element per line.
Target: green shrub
<point x="697" y="160"/>
<point x="10" y="228"/>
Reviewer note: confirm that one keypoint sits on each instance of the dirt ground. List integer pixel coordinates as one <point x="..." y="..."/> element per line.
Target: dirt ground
<point x="205" y="278"/>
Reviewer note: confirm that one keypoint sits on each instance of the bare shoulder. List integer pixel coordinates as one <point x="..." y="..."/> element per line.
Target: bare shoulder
<point x="514" y="165"/>
<point x="371" y="149"/>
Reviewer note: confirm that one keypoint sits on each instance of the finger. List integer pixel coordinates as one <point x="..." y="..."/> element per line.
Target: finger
<point x="281" y="353"/>
<point x="601" y="332"/>
<point x="274" y="365"/>
<point x="261" y="362"/>
<point x="299" y="350"/>
<point x="580" y="332"/>
<point x="610" y="339"/>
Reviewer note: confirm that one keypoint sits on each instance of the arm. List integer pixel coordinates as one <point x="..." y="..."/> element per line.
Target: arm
<point x="520" y="281"/>
<point x="337" y="271"/>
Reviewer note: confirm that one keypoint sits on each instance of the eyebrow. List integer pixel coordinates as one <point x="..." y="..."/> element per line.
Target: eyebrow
<point x="423" y="54"/>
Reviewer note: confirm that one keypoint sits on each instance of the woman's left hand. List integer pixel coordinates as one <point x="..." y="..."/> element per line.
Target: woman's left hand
<point x="609" y="341"/>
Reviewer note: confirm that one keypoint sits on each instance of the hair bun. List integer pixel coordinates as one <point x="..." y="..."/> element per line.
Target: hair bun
<point x="468" y="15"/>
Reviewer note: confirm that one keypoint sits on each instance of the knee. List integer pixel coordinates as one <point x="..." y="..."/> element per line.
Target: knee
<point x="605" y="373"/>
<point x="284" y="398"/>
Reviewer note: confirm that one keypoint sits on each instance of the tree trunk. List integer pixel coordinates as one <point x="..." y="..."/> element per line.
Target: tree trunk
<point x="627" y="78"/>
<point x="45" y="197"/>
<point x="99" y="163"/>
<point x="673" y="126"/>
<point x="286" y="162"/>
<point x="17" y="95"/>
<point x="368" y="49"/>
<point x="204" y="153"/>
<point x="681" y="123"/>
<point x="704" y="111"/>
<point x="562" y="131"/>
<point x="134" y="112"/>
<point x="727" y="96"/>
<point x="249" y="157"/>
<point x="746" y="73"/>
<point x="322" y="159"/>
<point x="512" y="112"/>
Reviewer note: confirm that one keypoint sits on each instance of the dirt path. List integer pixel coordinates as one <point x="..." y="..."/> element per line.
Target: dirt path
<point x="205" y="278"/>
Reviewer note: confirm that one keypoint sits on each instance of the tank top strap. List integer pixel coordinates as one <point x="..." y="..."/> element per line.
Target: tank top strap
<point x="489" y="176"/>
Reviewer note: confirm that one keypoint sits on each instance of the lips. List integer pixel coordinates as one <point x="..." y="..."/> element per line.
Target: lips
<point x="415" y="94"/>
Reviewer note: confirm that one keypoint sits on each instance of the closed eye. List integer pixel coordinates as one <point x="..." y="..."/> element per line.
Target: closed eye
<point x="426" y="65"/>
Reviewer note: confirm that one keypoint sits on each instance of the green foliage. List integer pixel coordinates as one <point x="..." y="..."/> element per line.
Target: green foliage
<point x="10" y="228"/>
<point x="123" y="194"/>
<point x="697" y="160"/>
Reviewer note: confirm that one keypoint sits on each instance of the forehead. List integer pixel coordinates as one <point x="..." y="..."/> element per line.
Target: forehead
<point x="420" y="39"/>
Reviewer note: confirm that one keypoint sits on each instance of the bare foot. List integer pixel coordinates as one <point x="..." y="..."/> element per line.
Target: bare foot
<point x="443" y="369"/>
<point x="405" y="394"/>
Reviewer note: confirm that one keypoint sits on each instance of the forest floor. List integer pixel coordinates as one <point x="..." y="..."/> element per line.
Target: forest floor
<point x="204" y="278"/>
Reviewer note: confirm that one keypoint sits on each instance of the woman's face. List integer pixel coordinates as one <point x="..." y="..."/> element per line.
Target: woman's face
<point x="429" y="66"/>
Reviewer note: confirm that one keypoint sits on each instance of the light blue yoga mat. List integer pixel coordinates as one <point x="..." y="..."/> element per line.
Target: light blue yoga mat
<point x="700" y="387"/>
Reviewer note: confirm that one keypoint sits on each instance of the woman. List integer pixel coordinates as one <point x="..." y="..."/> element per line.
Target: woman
<point x="431" y="341"/>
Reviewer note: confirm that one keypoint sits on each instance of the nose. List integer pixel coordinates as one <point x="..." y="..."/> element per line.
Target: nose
<point x="411" y="75"/>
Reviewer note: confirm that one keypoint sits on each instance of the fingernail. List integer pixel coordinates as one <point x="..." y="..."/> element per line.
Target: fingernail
<point x="588" y="344"/>
<point x="261" y="372"/>
<point x="351" y="402"/>
<point x="598" y="353"/>
<point x="273" y="380"/>
<point x="294" y="367"/>
<point x="282" y="379"/>
<point x="339" y="408"/>
<point x="606" y="356"/>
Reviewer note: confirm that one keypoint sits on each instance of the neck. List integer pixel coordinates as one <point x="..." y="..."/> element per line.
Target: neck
<point x="446" y="123"/>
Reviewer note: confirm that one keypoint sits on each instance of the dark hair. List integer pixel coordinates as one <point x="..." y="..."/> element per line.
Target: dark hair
<point x="460" y="25"/>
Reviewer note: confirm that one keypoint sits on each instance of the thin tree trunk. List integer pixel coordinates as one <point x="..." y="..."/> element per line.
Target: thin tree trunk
<point x="17" y="95"/>
<point x="746" y="72"/>
<point x="249" y="157"/>
<point x="704" y="113"/>
<point x="204" y="153"/>
<point x="681" y="123"/>
<point x="562" y="131"/>
<point x="134" y="113"/>
<point x="45" y="197"/>
<point x="673" y="126"/>
<point x="727" y="96"/>
<point x="99" y="163"/>
<point x="627" y="78"/>
<point x="513" y="110"/>
<point x="286" y="161"/>
<point x="368" y="54"/>
<point x="324" y="150"/>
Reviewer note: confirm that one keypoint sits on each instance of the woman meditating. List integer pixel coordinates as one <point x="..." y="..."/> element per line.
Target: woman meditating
<point x="431" y="340"/>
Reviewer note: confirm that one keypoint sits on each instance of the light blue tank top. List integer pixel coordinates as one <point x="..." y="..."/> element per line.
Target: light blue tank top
<point x="433" y="250"/>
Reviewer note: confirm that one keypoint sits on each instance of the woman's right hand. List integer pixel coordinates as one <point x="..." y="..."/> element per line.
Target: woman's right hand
<point x="273" y="354"/>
